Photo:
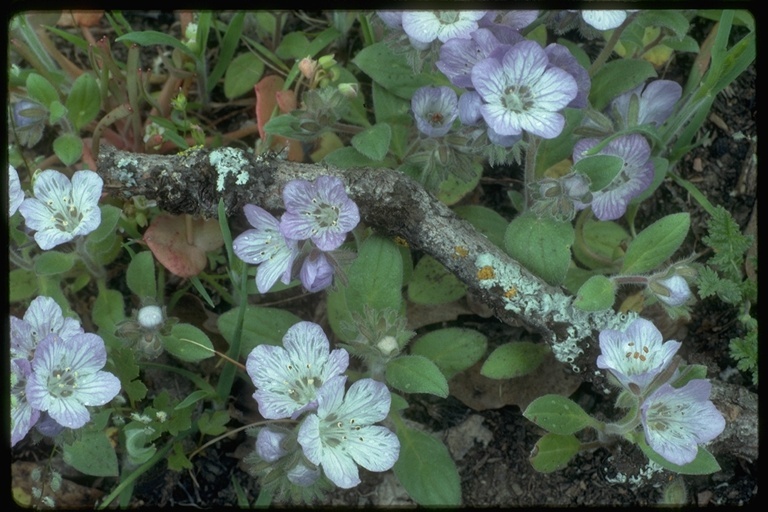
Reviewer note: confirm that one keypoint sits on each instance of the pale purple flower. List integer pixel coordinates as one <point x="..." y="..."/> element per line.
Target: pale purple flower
<point x="469" y="108"/>
<point x="342" y="436"/>
<point x="522" y="92"/>
<point x="287" y="379"/>
<point x="458" y="56"/>
<point x="559" y="56"/>
<point x="23" y="415"/>
<point x="392" y="19"/>
<point x="43" y="317"/>
<point x="47" y="426"/>
<point x="320" y="211"/>
<point x="316" y="272"/>
<point x="426" y="26"/>
<point x="268" y="445"/>
<point x="67" y="376"/>
<point x="677" y="420"/>
<point x="604" y="20"/>
<point x="265" y="245"/>
<point x="636" y="174"/>
<point x="62" y="209"/>
<point x="513" y="19"/>
<point x="672" y="291"/>
<point x="637" y="355"/>
<point x="15" y="194"/>
<point x="302" y="475"/>
<point x="435" y="109"/>
<point x="655" y="101"/>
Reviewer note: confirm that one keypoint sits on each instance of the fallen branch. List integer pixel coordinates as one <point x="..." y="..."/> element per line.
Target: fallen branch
<point x="194" y="181"/>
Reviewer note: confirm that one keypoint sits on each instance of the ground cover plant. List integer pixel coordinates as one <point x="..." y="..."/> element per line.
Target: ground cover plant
<point x="301" y="257"/>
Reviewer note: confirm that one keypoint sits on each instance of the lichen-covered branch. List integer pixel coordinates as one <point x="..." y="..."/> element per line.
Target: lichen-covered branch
<point x="194" y="181"/>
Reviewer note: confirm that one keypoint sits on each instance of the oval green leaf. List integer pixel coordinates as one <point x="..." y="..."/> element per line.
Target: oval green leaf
<point x="656" y="243"/>
<point x="453" y="349"/>
<point x="188" y="343"/>
<point x="242" y="74"/>
<point x="558" y="414"/>
<point x="426" y="470"/>
<point x="553" y="452"/>
<point x="432" y="283"/>
<point x="542" y="245"/>
<point x="514" y="360"/>
<point x="140" y="275"/>
<point x="260" y="325"/>
<point x="51" y="263"/>
<point x="416" y="374"/>
<point x="597" y="294"/>
<point x="374" y="141"/>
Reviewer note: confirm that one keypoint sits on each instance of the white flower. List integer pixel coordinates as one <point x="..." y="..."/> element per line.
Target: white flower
<point x="426" y="26"/>
<point x="62" y="210"/>
<point x="604" y="20"/>
<point x="15" y="194"/>
<point x="342" y="435"/>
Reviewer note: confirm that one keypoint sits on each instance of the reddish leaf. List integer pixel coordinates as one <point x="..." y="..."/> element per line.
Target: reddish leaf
<point x="166" y="237"/>
<point x="269" y="94"/>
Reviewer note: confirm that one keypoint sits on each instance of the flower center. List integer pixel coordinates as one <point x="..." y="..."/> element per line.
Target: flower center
<point x="338" y="430"/>
<point x="326" y="215"/>
<point x="62" y="382"/>
<point x="66" y="216"/>
<point x="517" y="98"/>
<point x="304" y="387"/>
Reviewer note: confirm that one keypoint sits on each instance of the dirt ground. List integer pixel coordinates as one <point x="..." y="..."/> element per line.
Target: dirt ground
<point x="491" y="442"/>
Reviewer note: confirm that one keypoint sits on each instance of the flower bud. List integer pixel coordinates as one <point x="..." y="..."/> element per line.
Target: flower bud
<point x="308" y="67"/>
<point x="672" y="291"/>
<point x="387" y="345"/>
<point x="150" y="317"/>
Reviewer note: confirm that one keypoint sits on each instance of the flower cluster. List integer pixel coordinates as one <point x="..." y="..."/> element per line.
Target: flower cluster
<point x="56" y="370"/>
<point x="337" y="432"/>
<point x="511" y="85"/>
<point x="675" y="420"/>
<point x="317" y="219"/>
<point x="62" y="209"/>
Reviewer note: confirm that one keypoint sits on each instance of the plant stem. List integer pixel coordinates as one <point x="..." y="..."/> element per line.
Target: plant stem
<point x="609" y="46"/>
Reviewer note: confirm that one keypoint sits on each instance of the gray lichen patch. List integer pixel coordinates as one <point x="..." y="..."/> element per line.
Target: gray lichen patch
<point x="229" y="161"/>
<point x="126" y="168"/>
<point x="529" y="298"/>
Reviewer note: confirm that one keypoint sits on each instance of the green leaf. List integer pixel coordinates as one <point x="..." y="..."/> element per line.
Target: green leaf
<point x="194" y="397"/>
<point x="558" y="414"/>
<point x="242" y="74"/>
<point x="140" y="275"/>
<point x="485" y="220"/>
<point x="601" y="169"/>
<point x="453" y="349"/>
<point x="110" y="215"/>
<point x="374" y="141"/>
<point x="416" y="374"/>
<point x="656" y="243"/>
<point x="388" y="107"/>
<point x="617" y="77"/>
<point x="177" y="459"/>
<point x="41" y="90"/>
<point x="704" y="463"/>
<point x="349" y="158"/>
<point x="152" y="37"/>
<point x="68" y="147"/>
<point x="426" y="470"/>
<point x="553" y="452"/>
<point x="188" y="343"/>
<point x="138" y="445"/>
<point x="52" y="263"/>
<point x="454" y="188"/>
<point x="108" y="309"/>
<point x="597" y="294"/>
<point x="227" y="50"/>
<point x="57" y="112"/>
<point x="670" y="19"/>
<point x="432" y="283"/>
<point x="22" y="284"/>
<point x="214" y="423"/>
<point x="84" y="101"/>
<point x="514" y="359"/>
<point x="376" y="275"/>
<point x="260" y="325"/>
<point x="92" y="454"/>
<point x="598" y="243"/>
<point x="390" y="69"/>
<point x="293" y="46"/>
<point x="542" y="245"/>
